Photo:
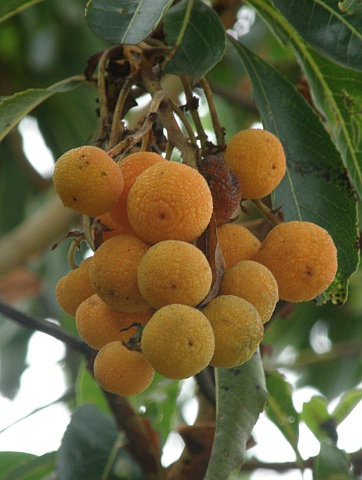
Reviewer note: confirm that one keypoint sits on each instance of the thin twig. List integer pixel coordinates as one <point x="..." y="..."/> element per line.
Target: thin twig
<point x="190" y="99"/>
<point x="219" y="132"/>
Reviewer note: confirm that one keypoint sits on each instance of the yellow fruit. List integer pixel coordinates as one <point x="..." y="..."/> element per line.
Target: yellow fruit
<point x="237" y="243"/>
<point x="169" y="201"/>
<point x="174" y="272"/>
<point x="258" y="160"/>
<point x="122" y="371"/>
<point x="131" y="167"/>
<point x="99" y="324"/>
<point x="113" y="272"/>
<point x="178" y="341"/>
<point x="75" y="287"/>
<point x="87" y="180"/>
<point x="237" y="327"/>
<point x="253" y="282"/>
<point x="302" y="257"/>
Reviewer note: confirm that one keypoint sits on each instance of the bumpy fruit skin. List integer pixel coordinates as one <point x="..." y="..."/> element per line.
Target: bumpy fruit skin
<point x="173" y="271"/>
<point x="122" y="371"/>
<point x="88" y="180"/>
<point x="253" y="282"/>
<point x="131" y="167"/>
<point x="75" y="287"/>
<point x="302" y="257"/>
<point x="99" y="324"/>
<point x="224" y="186"/>
<point x="258" y="160"/>
<point x="237" y="327"/>
<point x="113" y="273"/>
<point x="237" y="243"/>
<point x="178" y="341"/>
<point x="169" y="201"/>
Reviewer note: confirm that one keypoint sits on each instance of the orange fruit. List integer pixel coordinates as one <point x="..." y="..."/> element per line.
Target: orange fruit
<point x="237" y="328"/>
<point x="75" y="287"/>
<point x="87" y="180"/>
<point x="257" y="158"/>
<point x="122" y="371"/>
<point x="99" y="324"/>
<point x="178" y="341"/>
<point x="237" y="243"/>
<point x="174" y="272"/>
<point x="253" y="282"/>
<point x="113" y="272"/>
<point x="302" y="257"/>
<point x="169" y="201"/>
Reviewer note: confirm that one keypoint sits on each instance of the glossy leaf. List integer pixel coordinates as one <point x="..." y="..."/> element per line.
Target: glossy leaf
<point x="316" y="187"/>
<point x="336" y="92"/>
<point x="280" y="408"/>
<point x="241" y="397"/>
<point x="34" y="469"/>
<point x="125" y="21"/>
<point x="202" y="42"/>
<point x="88" y="391"/>
<point x="346" y="405"/>
<point x="332" y="33"/>
<point x="332" y="463"/>
<point x="9" y="8"/>
<point x="9" y="460"/>
<point x="15" y="107"/>
<point x="317" y="418"/>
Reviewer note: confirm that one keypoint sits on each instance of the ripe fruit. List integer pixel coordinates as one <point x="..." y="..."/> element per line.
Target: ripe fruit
<point x="178" y="341"/>
<point x="237" y="327"/>
<point x="258" y="160"/>
<point x="122" y="371"/>
<point x="169" y="201"/>
<point x="87" y="180"/>
<point x="253" y="282"/>
<point x="131" y="167"/>
<point x="174" y="272"/>
<point x="302" y="257"/>
<point x="237" y="243"/>
<point x="113" y="272"/>
<point x="75" y="287"/>
<point x="224" y="186"/>
<point x="99" y="324"/>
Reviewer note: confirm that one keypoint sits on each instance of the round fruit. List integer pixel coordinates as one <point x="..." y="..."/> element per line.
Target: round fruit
<point x="99" y="324"/>
<point x="302" y="257"/>
<point x="87" y="180"/>
<point x="258" y="160"/>
<point x="178" y="341"/>
<point x="174" y="272"/>
<point x="224" y="186"/>
<point x="113" y="272"/>
<point x="72" y="289"/>
<point x="237" y="243"/>
<point x="253" y="282"/>
<point x="237" y="327"/>
<point x="122" y="371"/>
<point x="131" y="167"/>
<point x="169" y="201"/>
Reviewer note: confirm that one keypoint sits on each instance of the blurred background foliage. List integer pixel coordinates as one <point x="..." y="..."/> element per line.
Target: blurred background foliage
<point x="320" y="346"/>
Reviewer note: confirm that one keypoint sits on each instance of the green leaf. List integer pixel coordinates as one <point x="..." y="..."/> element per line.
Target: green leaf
<point x="200" y="45"/>
<point x="127" y="21"/>
<point x="332" y="33"/>
<point x="9" y="460"/>
<point x="280" y="409"/>
<point x="35" y="468"/>
<point x="346" y="405"/>
<point x="317" y="418"/>
<point x="332" y="463"/>
<point x="8" y="8"/>
<point x="316" y="187"/>
<point x="88" y="390"/>
<point x="15" y="107"/>
<point x="241" y="397"/>
<point x="336" y="92"/>
<point x="350" y="6"/>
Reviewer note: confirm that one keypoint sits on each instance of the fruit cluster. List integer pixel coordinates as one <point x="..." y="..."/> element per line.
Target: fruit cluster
<point x="142" y="300"/>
